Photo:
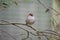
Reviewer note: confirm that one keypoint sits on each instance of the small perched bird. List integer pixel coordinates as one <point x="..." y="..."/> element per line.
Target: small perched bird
<point x="30" y="19"/>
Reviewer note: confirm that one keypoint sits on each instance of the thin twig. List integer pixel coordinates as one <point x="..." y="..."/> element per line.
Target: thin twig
<point x="42" y="4"/>
<point x="46" y="6"/>
<point x="27" y="36"/>
<point x="51" y="33"/>
<point x="47" y="36"/>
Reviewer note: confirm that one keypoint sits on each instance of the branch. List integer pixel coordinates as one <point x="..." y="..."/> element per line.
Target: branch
<point x="15" y="24"/>
<point x="8" y="23"/>
<point x="38" y="33"/>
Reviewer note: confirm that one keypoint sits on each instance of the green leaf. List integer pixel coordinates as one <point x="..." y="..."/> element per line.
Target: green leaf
<point x="5" y="4"/>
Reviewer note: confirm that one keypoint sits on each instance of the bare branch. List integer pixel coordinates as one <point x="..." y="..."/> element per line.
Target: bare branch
<point x="8" y="23"/>
<point x="38" y="33"/>
<point x="18" y="26"/>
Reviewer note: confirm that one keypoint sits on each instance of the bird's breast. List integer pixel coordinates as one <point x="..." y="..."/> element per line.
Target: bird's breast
<point x="30" y="20"/>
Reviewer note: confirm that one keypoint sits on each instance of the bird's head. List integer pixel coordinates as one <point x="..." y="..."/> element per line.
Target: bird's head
<point x="30" y="14"/>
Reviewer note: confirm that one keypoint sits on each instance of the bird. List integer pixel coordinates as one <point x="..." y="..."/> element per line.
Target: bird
<point x="30" y="19"/>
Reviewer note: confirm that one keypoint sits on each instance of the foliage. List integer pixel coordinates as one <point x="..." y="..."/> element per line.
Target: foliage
<point x="7" y="3"/>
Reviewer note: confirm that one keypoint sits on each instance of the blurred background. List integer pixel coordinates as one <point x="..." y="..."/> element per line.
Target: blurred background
<point x="17" y="10"/>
